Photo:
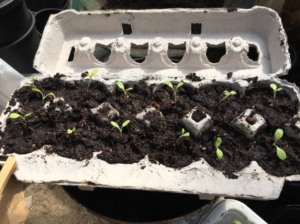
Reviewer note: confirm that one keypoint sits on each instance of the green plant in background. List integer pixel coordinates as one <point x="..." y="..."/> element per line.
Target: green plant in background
<point x="178" y="86"/>
<point x="228" y="94"/>
<point x="51" y="94"/>
<point x="90" y="76"/>
<point x="122" y="87"/>
<point x="16" y="116"/>
<point x="71" y="131"/>
<point x="219" y="152"/>
<point x="279" y="151"/>
<point x="184" y="134"/>
<point x="124" y="124"/>
<point x="275" y="89"/>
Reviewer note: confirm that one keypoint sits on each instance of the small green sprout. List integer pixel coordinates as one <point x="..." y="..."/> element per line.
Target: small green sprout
<point x="122" y="87"/>
<point x="279" y="151"/>
<point x="228" y="94"/>
<point x="184" y="134"/>
<point x="275" y="89"/>
<point x="16" y="116"/>
<point x="31" y="83"/>
<point x="34" y="89"/>
<point x="71" y="131"/>
<point x="178" y="86"/>
<point x="124" y="124"/>
<point x="90" y="76"/>
<point x="219" y="152"/>
<point x="236" y="222"/>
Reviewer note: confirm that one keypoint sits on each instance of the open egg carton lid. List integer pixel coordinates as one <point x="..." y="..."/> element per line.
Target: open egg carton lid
<point x="160" y="45"/>
<point x="170" y="42"/>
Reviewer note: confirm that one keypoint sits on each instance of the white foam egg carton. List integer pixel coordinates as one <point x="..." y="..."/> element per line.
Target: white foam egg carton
<point x="131" y="45"/>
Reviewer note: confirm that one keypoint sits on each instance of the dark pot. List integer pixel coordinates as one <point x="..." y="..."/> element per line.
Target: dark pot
<point x="41" y="18"/>
<point x="15" y="20"/>
<point x="135" y="206"/>
<point x="37" y="5"/>
<point x="20" y="54"/>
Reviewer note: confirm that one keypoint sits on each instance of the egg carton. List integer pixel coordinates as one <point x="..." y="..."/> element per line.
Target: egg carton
<point x="158" y="46"/>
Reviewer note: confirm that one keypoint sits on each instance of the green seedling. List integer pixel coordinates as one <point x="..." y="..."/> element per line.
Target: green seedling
<point x="34" y="89"/>
<point x="236" y="222"/>
<point x="184" y="134"/>
<point x="228" y="94"/>
<point x="122" y="87"/>
<point x="178" y="86"/>
<point x="16" y="116"/>
<point x="124" y="124"/>
<point x="279" y="151"/>
<point x="219" y="152"/>
<point x="31" y="83"/>
<point x="90" y="76"/>
<point x="275" y="89"/>
<point x="71" y="131"/>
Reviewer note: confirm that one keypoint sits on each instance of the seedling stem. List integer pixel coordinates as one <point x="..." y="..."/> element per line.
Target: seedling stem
<point x="219" y="152"/>
<point x="122" y="87"/>
<point x="184" y="134"/>
<point x="275" y="89"/>
<point x="124" y="124"/>
<point x="178" y="86"/>
<point x="16" y="115"/>
<point x="279" y="151"/>
<point x="90" y="76"/>
<point x="228" y="94"/>
<point x="51" y="94"/>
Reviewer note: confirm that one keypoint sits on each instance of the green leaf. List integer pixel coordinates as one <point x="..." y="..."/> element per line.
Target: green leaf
<point x="187" y="134"/>
<point x="115" y="124"/>
<point x="279" y="89"/>
<point x="70" y="131"/>
<point x="168" y="83"/>
<point x="120" y="85"/>
<point x="14" y="115"/>
<point x="236" y="222"/>
<point x="273" y="86"/>
<point x="280" y="153"/>
<point x="226" y="93"/>
<point x="182" y="131"/>
<point x="278" y="134"/>
<point x="179" y="85"/>
<point x="28" y="114"/>
<point x="125" y="123"/>
<point x="37" y="90"/>
<point x="218" y="142"/>
<point x="130" y="88"/>
<point x="94" y="72"/>
<point x="232" y="93"/>
<point x="219" y="153"/>
<point x="49" y="95"/>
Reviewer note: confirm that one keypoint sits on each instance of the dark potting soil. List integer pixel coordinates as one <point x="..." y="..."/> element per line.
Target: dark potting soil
<point x="136" y="206"/>
<point x="159" y="136"/>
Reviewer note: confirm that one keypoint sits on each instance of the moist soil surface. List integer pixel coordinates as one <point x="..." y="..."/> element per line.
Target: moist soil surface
<point x="157" y="135"/>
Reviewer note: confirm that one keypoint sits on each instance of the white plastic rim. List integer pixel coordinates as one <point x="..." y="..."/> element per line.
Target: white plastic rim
<point x="229" y="210"/>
